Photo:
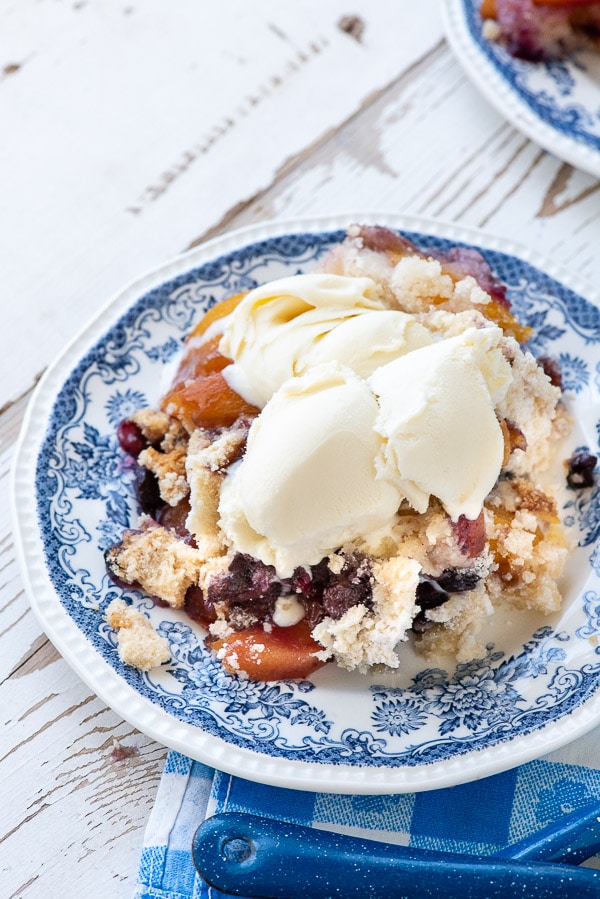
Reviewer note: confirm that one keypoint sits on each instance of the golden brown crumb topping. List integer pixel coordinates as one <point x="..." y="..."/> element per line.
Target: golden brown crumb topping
<point x="138" y="643"/>
<point x="158" y="561"/>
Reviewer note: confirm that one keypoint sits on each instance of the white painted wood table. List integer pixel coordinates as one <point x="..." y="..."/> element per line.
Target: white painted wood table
<point x="129" y="133"/>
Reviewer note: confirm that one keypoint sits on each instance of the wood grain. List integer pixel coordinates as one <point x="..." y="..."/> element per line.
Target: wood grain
<point x="430" y="145"/>
<point x="113" y="160"/>
<point x="67" y="793"/>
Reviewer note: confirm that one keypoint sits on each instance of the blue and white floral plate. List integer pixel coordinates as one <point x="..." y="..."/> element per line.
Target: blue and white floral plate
<point x="424" y="727"/>
<point x="556" y="104"/>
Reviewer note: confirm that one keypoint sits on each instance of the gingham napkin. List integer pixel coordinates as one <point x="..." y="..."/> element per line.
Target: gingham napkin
<point x="480" y="817"/>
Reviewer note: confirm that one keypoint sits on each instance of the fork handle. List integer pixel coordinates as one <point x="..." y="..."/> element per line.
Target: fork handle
<point x="250" y="856"/>
<point x="570" y="840"/>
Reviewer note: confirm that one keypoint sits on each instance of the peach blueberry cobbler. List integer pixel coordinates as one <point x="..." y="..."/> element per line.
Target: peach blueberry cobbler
<point x="344" y="459"/>
<point x="542" y="30"/>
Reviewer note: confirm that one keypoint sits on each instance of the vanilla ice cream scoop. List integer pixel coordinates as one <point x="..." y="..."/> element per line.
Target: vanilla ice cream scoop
<point x="441" y="434"/>
<point x="308" y="483"/>
<point x="366" y="342"/>
<point x="361" y="410"/>
<point x="283" y="328"/>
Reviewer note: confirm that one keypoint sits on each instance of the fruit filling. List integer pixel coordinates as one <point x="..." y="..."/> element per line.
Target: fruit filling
<point x="349" y="459"/>
<point x="542" y="30"/>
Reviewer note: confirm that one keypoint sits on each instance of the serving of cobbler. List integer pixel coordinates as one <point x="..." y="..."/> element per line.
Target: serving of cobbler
<point x="344" y="461"/>
<point x="542" y="30"/>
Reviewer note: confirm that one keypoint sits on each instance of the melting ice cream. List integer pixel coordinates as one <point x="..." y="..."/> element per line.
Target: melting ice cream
<point x="363" y="411"/>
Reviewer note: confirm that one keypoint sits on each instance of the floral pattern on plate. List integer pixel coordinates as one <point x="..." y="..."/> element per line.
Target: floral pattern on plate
<point x="414" y="725"/>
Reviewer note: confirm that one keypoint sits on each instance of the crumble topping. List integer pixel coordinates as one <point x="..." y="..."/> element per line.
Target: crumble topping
<point x="205" y="489"/>
<point x="361" y="637"/>
<point x="159" y="428"/>
<point x="531" y="404"/>
<point x="415" y="280"/>
<point x="491" y="30"/>
<point x="205" y="464"/>
<point x="169" y="470"/>
<point x="458" y="623"/>
<point x="158" y="561"/>
<point x="138" y="642"/>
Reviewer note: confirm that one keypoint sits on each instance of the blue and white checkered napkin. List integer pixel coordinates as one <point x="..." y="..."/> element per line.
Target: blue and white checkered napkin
<point x="479" y="817"/>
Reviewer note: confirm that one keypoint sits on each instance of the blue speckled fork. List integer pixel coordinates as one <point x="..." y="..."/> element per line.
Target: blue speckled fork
<point x="259" y="857"/>
<point x="571" y="839"/>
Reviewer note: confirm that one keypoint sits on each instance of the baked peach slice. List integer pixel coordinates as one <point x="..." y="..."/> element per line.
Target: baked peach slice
<point x="202" y="357"/>
<point x="282" y="653"/>
<point x="207" y="402"/>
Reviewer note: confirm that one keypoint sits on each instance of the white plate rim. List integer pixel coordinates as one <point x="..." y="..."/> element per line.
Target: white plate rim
<point x="145" y="715"/>
<point x="489" y="81"/>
